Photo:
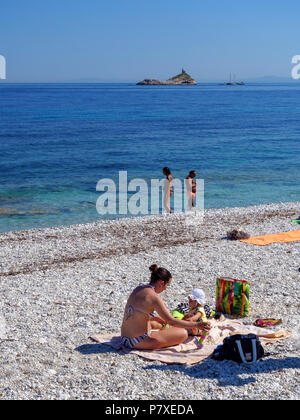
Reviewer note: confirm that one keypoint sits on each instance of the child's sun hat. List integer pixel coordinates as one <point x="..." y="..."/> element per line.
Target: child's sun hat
<point x="199" y="296"/>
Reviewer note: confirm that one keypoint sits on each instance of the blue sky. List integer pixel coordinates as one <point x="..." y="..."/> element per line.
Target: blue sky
<point x="129" y="40"/>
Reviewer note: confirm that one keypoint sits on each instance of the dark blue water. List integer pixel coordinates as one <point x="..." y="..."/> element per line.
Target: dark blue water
<point x="57" y="141"/>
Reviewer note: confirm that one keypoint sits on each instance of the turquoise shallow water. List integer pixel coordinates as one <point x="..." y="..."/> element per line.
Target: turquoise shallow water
<point x="57" y="141"/>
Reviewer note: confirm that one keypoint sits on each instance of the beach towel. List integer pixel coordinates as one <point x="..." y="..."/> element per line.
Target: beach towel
<point x="191" y="351"/>
<point x="271" y="238"/>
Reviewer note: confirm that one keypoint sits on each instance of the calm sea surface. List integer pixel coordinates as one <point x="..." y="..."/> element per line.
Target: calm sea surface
<point x="58" y="140"/>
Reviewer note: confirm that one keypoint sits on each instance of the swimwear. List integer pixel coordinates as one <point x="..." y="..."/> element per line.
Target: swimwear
<point x="130" y="343"/>
<point x="170" y="181"/>
<point x="131" y="309"/>
<point x="194" y="185"/>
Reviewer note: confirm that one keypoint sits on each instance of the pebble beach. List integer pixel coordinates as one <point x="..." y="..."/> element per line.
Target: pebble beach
<point x="60" y="285"/>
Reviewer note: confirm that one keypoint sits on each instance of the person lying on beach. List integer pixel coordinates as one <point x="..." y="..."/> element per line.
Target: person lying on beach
<point x="138" y="322"/>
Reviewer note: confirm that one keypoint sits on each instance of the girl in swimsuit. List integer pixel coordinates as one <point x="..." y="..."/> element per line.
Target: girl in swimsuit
<point x="168" y="189"/>
<point x="191" y="188"/>
<point x="139" y="322"/>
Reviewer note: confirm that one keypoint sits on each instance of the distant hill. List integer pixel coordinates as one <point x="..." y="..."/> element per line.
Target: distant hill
<point x="271" y="79"/>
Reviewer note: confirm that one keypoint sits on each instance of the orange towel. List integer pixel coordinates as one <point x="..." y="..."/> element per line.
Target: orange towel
<point x="271" y="238"/>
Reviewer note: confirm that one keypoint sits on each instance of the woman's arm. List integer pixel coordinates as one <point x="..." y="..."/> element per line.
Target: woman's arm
<point x="193" y="318"/>
<point x="157" y="319"/>
<point x="163" y="312"/>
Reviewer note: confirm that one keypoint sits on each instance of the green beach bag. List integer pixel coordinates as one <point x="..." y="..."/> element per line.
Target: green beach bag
<point x="233" y="296"/>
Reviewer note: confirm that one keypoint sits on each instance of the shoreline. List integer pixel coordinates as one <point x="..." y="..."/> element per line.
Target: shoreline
<point x="61" y="285"/>
<point x="121" y="236"/>
<point x="159" y="216"/>
<point x="53" y="246"/>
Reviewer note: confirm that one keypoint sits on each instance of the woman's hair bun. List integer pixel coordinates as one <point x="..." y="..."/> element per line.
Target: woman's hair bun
<point x="159" y="273"/>
<point x="153" y="268"/>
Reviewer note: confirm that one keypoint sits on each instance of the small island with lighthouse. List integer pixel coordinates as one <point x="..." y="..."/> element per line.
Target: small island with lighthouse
<point x="181" y="79"/>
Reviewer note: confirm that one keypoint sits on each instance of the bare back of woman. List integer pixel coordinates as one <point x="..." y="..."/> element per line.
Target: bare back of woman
<point x="138" y="311"/>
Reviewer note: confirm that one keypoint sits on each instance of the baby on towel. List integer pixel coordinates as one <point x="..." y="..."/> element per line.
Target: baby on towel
<point x="195" y="310"/>
<point x="195" y="306"/>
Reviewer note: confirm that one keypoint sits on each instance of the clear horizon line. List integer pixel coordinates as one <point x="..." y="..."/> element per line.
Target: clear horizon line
<point x="116" y="81"/>
<point x="95" y="80"/>
<point x="254" y="80"/>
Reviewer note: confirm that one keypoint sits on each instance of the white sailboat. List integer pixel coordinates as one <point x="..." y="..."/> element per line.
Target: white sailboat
<point x="233" y="82"/>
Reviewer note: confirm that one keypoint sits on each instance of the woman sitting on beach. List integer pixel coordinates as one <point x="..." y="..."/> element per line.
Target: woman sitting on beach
<point x="139" y="323"/>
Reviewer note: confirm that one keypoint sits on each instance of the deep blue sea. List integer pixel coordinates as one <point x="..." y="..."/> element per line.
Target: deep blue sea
<point x="58" y="140"/>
